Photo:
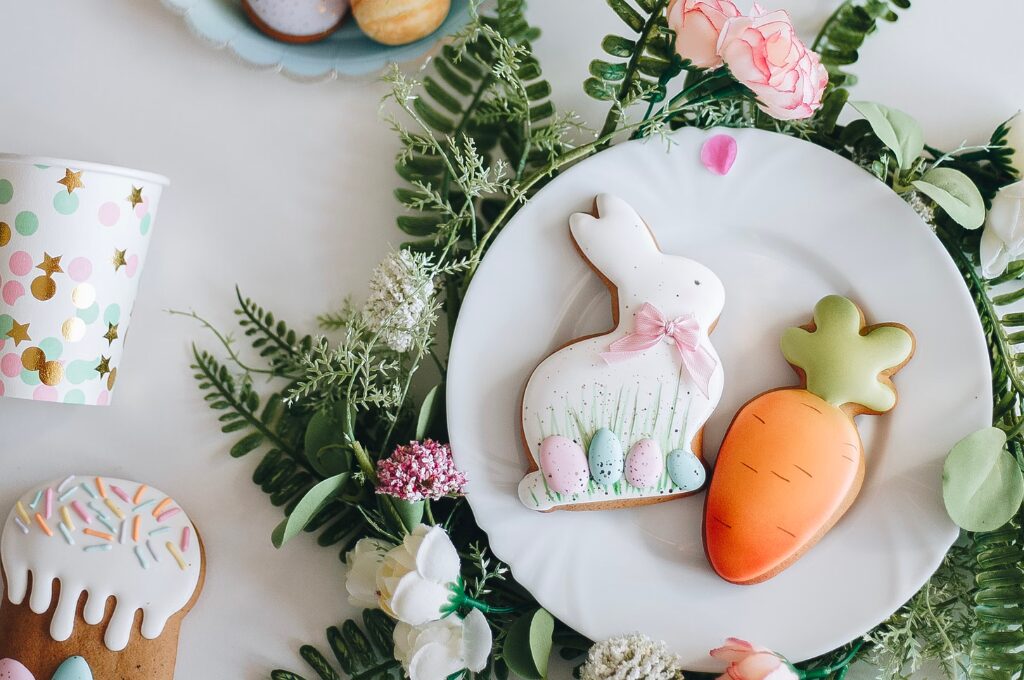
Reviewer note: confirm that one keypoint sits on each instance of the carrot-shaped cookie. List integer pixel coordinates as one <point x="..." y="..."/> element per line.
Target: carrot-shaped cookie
<point x="792" y="461"/>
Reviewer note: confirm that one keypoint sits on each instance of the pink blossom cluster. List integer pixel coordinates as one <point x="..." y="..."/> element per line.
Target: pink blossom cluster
<point x="421" y="470"/>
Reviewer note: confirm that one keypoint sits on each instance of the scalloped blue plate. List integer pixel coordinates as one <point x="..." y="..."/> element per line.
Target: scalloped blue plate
<point x="347" y="52"/>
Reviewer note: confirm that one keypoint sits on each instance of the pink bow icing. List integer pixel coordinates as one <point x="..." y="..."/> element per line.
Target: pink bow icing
<point x="651" y="327"/>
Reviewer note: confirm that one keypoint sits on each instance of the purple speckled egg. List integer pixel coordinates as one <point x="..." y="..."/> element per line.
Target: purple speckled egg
<point x="564" y="465"/>
<point x="12" y="670"/>
<point x="644" y="464"/>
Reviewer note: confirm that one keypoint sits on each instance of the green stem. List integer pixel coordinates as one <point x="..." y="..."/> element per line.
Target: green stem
<point x="840" y="666"/>
<point x="228" y="345"/>
<point x="365" y="464"/>
<point x="429" y="513"/>
<point x="487" y="608"/>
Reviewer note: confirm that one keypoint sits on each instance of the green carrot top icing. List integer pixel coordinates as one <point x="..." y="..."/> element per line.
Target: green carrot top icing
<point x="843" y="363"/>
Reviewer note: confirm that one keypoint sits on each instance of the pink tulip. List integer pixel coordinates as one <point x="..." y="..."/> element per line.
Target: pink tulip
<point x="748" y="662"/>
<point x="764" y="53"/>
<point x="698" y="24"/>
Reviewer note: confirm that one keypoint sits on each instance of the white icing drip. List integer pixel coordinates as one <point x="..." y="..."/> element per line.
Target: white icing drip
<point x="576" y="384"/>
<point x="160" y="591"/>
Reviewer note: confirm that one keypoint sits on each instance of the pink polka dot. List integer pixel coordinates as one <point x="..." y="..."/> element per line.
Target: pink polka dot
<point x="132" y="265"/>
<point x="1" y="389"/>
<point x="10" y="364"/>
<point x="45" y="393"/>
<point x="109" y="214"/>
<point x="12" y="291"/>
<point x="103" y="399"/>
<point x="142" y="209"/>
<point x="21" y="263"/>
<point x="80" y="269"/>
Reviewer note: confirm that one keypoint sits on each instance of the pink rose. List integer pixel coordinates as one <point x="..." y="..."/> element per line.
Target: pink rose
<point x="764" y="53"/>
<point x="697" y="24"/>
<point x="747" y="662"/>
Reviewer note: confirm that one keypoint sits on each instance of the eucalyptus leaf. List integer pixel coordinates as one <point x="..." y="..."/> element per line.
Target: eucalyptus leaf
<point x="324" y="442"/>
<point x="315" y="500"/>
<point x="896" y="129"/>
<point x="982" y="484"/>
<point x="428" y="411"/>
<point x="528" y="644"/>
<point x="955" y="193"/>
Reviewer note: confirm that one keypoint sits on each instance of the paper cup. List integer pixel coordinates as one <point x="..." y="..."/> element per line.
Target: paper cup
<point x="73" y="240"/>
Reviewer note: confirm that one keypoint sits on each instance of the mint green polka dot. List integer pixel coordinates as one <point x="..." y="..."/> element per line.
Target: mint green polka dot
<point x="74" y="397"/>
<point x="42" y="167"/>
<point x="112" y="314"/>
<point x="89" y="314"/>
<point x="65" y="203"/>
<point x="144" y="224"/>
<point x="6" y="324"/>
<point x="78" y="372"/>
<point x="6" y="191"/>
<point x="52" y="348"/>
<point x="26" y="223"/>
<point x="30" y="377"/>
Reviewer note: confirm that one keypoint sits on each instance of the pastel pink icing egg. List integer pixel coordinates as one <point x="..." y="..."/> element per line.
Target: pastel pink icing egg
<point x="644" y="464"/>
<point x="12" y="670"/>
<point x="564" y="464"/>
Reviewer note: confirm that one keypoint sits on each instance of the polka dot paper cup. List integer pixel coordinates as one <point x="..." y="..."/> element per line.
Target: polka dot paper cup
<point x="73" y="239"/>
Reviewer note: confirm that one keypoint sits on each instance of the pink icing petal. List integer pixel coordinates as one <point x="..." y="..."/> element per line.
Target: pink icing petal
<point x="719" y="153"/>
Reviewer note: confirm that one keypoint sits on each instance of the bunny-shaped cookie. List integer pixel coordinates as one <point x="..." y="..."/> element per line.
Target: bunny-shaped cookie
<point x="615" y="419"/>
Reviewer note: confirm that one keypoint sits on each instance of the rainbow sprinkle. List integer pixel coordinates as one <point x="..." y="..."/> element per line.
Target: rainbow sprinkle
<point x="136" y="526"/>
<point x="66" y="533"/>
<point x="98" y="534"/>
<point x="80" y="511"/>
<point x="186" y="539"/>
<point x="66" y="517"/>
<point x="42" y="525"/>
<point x="113" y="508"/>
<point x="63" y="486"/>
<point x="99" y="513"/>
<point x="67" y="494"/>
<point x="160" y="507"/>
<point x="49" y="503"/>
<point x="167" y="514"/>
<point x="141" y="557"/>
<point x="21" y="525"/>
<point x="152" y="551"/>
<point x="143" y="506"/>
<point x="161" y="530"/>
<point x="121" y="493"/>
<point x="106" y="522"/>
<point x="23" y="513"/>
<point x="123" y="538"/>
<point x="138" y="494"/>
<point x="101" y="488"/>
<point x="100" y="547"/>
<point x="173" y="549"/>
<point x="88" y="489"/>
<point x="35" y="502"/>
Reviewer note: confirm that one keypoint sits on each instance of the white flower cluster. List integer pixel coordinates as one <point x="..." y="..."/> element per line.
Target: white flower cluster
<point x="401" y="302"/>
<point x="631" y="657"/>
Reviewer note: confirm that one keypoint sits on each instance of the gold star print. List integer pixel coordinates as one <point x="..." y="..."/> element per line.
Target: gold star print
<point x="50" y="265"/>
<point x="136" y="196"/>
<point x="111" y="333"/>
<point x="72" y="180"/>
<point x="104" y="366"/>
<point x="119" y="260"/>
<point x="19" y="333"/>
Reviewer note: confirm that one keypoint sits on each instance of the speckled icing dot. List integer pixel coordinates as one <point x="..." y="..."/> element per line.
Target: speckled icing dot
<point x="685" y="470"/>
<point x="6" y="191"/>
<point x="564" y="465"/>
<point x="644" y="464"/>
<point x="65" y="203"/>
<point x="26" y="223"/>
<point x="73" y="668"/>
<point x="605" y="457"/>
<point x="20" y="263"/>
<point x="109" y="213"/>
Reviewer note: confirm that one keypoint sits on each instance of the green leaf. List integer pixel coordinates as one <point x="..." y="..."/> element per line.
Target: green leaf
<point x="411" y="512"/>
<point x="982" y="484"/>
<point x="428" y="411"/>
<point x="956" y="194"/>
<point x="246" y="444"/>
<point x="528" y="644"/>
<point x="896" y="129"/>
<point x="325" y="446"/>
<point x="315" y="500"/>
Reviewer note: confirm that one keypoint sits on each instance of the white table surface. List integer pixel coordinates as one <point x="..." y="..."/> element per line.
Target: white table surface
<point x="285" y="188"/>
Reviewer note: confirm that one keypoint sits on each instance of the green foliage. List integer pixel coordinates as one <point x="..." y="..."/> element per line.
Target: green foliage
<point x="527" y="646"/>
<point x="898" y="131"/>
<point x="982" y="484"/>
<point x="361" y="653"/>
<point x="955" y="193"/>
<point x="998" y="638"/>
<point x="275" y="342"/>
<point x="843" y="34"/>
<point x="312" y="503"/>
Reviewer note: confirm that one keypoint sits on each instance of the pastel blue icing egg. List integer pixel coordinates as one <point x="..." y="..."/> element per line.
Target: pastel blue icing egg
<point x="685" y="470"/>
<point x="605" y="457"/>
<point x="74" y="668"/>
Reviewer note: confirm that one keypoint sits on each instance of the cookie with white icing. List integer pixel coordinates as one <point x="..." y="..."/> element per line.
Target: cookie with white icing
<point x="101" y="568"/>
<point x="616" y="419"/>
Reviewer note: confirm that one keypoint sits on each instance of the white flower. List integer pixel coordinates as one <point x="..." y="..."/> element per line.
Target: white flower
<point x="631" y="657"/>
<point x="363" y="561"/>
<point x="415" y="579"/>
<point x="400" y="305"/>
<point x="1015" y="140"/>
<point x="1003" y="238"/>
<point x="438" y="649"/>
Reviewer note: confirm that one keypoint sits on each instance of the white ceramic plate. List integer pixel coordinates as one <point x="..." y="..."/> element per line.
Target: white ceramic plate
<point x="789" y="224"/>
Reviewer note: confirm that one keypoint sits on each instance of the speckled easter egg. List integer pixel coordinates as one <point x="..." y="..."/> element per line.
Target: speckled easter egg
<point x="296" y="21"/>
<point x="12" y="670"/>
<point x="564" y="465"/>
<point x="74" y="668"/>
<point x="685" y="470"/>
<point x="605" y="456"/>
<point x="644" y="464"/>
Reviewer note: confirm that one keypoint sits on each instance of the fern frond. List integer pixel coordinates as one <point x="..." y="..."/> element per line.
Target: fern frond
<point x="365" y="653"/>
<point x="273" y="339"/>
<point x="843" y="34"/>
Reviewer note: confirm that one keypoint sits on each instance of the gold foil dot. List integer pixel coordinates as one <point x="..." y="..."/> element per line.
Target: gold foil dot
<point x="43" y="288"/>
<point x="5" y="234"/>
<point x="83" y="296"/>
<point x="73" y="329"/>
<point x="111" y="378"/>
<point x="33" y="359"/>
<point x="51" y="373"/>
